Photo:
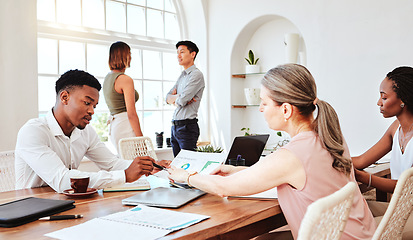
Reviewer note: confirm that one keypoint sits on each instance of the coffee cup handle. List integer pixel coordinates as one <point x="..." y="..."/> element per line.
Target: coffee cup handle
<point x="73" y="185"/>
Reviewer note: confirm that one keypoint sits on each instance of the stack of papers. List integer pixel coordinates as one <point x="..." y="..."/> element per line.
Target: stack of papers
<point x="141" y="222"/>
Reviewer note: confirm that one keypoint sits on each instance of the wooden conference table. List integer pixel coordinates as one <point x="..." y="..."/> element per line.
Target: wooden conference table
<point x="230" y="218"/>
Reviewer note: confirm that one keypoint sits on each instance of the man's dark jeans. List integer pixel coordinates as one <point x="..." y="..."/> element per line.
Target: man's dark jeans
<point x="184" y="136"/>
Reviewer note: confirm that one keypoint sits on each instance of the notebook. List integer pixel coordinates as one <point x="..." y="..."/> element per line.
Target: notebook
<point x="26" y="210"/>
<point x="249" y="147"/>
<point x="164" y="197"/>
<point x="140" y="184"/>
<point x="140" y="222"/>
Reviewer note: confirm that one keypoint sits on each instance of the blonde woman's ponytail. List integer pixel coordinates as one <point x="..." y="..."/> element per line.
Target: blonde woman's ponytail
<point x="328" y="129"/>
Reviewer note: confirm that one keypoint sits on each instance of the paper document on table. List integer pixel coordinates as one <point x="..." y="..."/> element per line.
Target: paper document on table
<point x="269" y="194"/>
<point x="200" y="162"/>
<point x="383" y="160"/>
<point x="141" y="221"/>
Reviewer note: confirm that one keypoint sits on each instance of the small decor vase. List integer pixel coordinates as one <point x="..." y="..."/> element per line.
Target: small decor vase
<point x="252" y="69"/>
<point x="292" y="42"/>
<point x="252" y="96"/>
<point x="159" y="139"/>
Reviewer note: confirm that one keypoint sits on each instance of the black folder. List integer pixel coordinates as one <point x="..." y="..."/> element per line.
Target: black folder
<point x="26" y="210"/>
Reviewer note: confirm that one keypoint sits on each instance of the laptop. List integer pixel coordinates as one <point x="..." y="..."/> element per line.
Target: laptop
<point x="249" y="147"/>
<point x="164" y="197"/>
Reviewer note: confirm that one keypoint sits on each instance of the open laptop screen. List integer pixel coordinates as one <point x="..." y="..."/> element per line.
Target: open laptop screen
<point x="249" y="147"/>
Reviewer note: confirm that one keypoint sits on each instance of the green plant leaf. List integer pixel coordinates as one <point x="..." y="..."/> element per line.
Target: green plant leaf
<point x="209" y="148"/>
<point x="248" y="61"/>
<point x="247" y="130"/>
<point x="251" y="57"/>
<point x="256" y="61"/>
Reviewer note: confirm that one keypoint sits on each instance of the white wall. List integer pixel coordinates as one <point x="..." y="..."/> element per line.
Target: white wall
<point x="18" y="68"/>
<point x="350" y="45"/>
<point x="264" y="35"/>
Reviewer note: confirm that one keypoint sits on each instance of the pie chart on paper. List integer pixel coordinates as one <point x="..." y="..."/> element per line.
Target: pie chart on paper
<point x="186" y="166"/>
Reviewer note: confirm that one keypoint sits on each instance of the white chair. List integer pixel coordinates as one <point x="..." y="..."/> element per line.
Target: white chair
<point x="130" y="148"/>
<point x="400" y="207"/>
<point x="7" y="175"/>
<point x="326" y="218"/>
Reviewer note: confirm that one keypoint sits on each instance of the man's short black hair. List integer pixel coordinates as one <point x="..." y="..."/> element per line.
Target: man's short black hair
<point x="76" y="78"/>
<point x="190" y="45"/>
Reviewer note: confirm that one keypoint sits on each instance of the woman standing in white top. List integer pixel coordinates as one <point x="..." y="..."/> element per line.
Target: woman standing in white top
<point x="120" y="95"/>
<point x="396" y="100"/>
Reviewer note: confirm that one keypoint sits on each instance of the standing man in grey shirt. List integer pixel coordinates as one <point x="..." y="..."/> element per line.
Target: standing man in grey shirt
<point x="186" y="95"/>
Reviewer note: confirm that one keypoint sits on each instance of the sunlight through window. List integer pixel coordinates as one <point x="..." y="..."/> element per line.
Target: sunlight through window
<point x="77" y="34"/>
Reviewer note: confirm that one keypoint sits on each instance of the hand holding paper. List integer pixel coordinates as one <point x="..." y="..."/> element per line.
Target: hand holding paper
<point x="187" y="162"/>
<point x="178" y="174"/>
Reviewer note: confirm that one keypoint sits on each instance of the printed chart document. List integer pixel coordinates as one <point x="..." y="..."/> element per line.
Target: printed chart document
<point x="140" y="222"/>
<point x="201" y="162"/>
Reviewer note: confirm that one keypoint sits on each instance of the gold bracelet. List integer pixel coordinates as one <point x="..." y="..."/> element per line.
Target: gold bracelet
<point x="187" y="179"/>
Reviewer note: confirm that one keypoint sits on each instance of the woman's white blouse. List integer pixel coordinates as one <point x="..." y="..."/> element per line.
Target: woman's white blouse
<point x="400" y="162"/>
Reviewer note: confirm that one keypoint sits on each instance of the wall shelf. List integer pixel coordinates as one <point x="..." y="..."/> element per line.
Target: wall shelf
<point x="244" y="75"/>
<point x="244" y="105"/>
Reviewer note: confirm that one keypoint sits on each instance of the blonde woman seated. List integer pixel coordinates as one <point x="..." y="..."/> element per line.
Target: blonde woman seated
<point x="314" y="164"/>
<point x="396" y="100"/>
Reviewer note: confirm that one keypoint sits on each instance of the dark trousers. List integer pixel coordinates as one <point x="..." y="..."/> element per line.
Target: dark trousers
<point x="184" y="136"/>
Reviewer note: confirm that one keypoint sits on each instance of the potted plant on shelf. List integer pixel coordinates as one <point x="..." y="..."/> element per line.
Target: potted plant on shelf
<point x="252" y="66"/>
<point x="283" y="141"/>
<point x="246" y="131"/>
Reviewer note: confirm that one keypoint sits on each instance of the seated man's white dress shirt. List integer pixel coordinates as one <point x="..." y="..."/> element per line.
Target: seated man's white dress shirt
<point x="46" y="156"/>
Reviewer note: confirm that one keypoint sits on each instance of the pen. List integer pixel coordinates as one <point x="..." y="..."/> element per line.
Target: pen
<point x="158" y="166"/>
<point x="60" y="217"/>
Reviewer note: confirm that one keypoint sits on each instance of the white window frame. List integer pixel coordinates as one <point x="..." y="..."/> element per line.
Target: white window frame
<point x="59" y="31"/>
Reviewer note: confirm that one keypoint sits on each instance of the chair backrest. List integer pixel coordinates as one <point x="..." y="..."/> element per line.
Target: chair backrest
<point x="130" y="148"/>
<point x="326" y="218"/>
<point x="7" y="175"/>
<point x="400" y="207"/>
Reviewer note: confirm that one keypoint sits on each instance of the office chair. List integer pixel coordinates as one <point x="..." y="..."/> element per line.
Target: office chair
<point x="326" y="218"/>
<point x="400" y="207"/>
<point x="130" y="148"/>
<point x="7" y="175"/>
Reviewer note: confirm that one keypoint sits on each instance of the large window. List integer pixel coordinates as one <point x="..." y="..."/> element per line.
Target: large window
<point x="76" y="34"/>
